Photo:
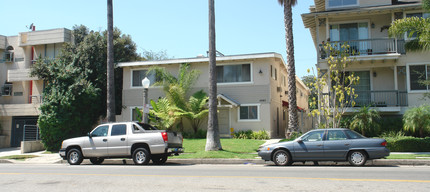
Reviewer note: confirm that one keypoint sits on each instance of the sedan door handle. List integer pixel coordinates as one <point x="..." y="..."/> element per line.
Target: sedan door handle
<point x="319" y="145"/>
<point x="104" y="140"/>
<point x="122" y="139"/>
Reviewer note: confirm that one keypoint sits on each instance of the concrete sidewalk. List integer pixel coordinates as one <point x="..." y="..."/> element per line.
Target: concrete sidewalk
<point x="55" y="158"/>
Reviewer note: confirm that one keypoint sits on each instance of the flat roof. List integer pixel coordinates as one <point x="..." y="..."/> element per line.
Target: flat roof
<point x="204" y="59"/>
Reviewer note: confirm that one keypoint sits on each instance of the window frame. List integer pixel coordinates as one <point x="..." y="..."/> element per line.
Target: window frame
<point x="328" y="7"/>
<point x="369" y="31"/>
<point x="131" y="79"/>
<point x="115" y="125"/>
<point x="406" y="36"/>
<point x="408" y="76"/>
<point x="251" y="74"/>
<point x="249" y="120"/>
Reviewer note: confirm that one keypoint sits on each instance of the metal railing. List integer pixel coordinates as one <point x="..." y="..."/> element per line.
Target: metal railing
<point x="367" y="47"/>
<point x="389" y="98"/>
<point x="31" y="133"/>
<point x="36" y="99"/>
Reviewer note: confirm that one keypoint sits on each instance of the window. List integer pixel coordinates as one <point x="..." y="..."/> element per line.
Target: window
<point x="341" y="3"/>
<point x="313" y="136"/>
<point x="234" y="73"/>
<point x="354" y="135"/>
<point x="351" y="32"/>
<point x="423" y="15"/>
<point x="134" y="115"/>
<point x="8" y="55"/>
<point x="100" y="131"/>
<point x="119" y="130"/>
<point x="139" y="75"/>
<point x="248" y="112"/>
<point x="418" y="74"/>
<point x="336" y="135"/>
<point x="276" y="74"/>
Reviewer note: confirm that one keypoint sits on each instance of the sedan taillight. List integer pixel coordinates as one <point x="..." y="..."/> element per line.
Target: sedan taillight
<point x="384" y="143"/>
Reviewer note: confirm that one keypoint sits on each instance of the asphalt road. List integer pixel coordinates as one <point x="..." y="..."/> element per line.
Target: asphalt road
<point x="62" y="177"/>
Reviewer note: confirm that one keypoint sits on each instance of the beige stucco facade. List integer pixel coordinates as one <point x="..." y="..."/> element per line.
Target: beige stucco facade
<point x="20" y="94"/>
<point x="265" y="90"/>
<point x="388" y="82"/>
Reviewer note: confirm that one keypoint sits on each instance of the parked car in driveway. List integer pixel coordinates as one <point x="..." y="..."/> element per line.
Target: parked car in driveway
<point x="138" y="141"/>
<point x="338" y="144"/>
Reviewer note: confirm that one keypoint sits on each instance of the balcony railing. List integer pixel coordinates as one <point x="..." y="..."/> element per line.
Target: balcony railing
<point x="391" y="98"/>
<point x="35" y="99"/>
<point x="367" y="47"/>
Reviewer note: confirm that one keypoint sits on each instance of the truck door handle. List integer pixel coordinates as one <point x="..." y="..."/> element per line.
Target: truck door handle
<point x="104" y="140"/>
<point x="122" y="139"/>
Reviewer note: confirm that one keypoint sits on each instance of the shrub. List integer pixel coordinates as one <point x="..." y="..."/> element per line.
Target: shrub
<point x="200" y="134"/>
<point x="408" y="144"/>
<point x="258" y="135"/>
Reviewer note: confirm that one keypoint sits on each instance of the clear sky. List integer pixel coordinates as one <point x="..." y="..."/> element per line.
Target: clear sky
<point x="179" y="27"/>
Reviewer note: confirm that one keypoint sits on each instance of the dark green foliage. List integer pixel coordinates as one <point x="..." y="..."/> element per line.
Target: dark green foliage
<point x="75" y="92"/>
<point x="408" y="144"/>
<point x="200" y="134"/>
<point x="257" y="135"/>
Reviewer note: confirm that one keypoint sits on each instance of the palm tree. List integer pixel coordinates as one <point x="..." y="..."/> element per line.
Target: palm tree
<point x="110" y="114"/>
<point x="213" y="142"/>
<point x="417" y="119"/>
<point x="365" y="119"/>
<point x="292" y="100"/>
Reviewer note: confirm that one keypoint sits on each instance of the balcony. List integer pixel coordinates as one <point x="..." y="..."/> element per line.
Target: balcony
<point x="368" y="47"/>
<point x="385" y="100"/>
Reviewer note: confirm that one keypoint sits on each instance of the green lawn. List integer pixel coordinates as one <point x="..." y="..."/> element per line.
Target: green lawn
<point x="232" y="148"/>
<point x="408" y="156"/>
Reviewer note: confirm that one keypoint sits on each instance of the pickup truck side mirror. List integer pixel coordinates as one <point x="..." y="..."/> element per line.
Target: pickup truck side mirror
<point x="89" y="135"/>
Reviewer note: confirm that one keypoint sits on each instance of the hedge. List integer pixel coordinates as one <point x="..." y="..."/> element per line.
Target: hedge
<point x="408" y="144"/>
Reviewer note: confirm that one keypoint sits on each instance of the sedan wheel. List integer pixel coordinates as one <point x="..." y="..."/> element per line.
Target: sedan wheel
<point x="357" y="158"/>
<point x="282" y="158"/>
<point x="141" y="156"/>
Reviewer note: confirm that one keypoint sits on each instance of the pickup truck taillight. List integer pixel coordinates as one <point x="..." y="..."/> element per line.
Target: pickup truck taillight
<point x="164" y="135"/>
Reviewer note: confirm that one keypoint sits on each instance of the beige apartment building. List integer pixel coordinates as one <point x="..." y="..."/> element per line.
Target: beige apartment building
<point x="20" y="94"/>
<point x="388" y="74"/>
<point x="252" y="91"/>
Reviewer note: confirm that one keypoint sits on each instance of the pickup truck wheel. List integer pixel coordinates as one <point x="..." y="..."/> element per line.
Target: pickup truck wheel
<point x="97" y="160"/>
<point x="159" y="159"/>
<point x="141" y="156"/>
<point x="74" y="157"/>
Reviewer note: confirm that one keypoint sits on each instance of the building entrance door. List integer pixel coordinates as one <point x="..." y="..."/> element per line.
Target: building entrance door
<point x="224" y="122"/>
<point x="18" y="125"/>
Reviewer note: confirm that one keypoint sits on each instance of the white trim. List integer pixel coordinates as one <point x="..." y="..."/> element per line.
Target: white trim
<point x="249" y="120"/>
<point x="131" y="78"/>
<point x="408" y="87"/>
<point x="251" y="71"/>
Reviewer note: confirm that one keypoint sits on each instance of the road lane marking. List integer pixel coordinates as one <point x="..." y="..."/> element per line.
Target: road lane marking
<point x="208" y="176"/>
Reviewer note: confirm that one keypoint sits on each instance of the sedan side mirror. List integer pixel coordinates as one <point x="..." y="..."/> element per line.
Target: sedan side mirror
<point x="299" y="140"/>
<point x="89" y="135"/>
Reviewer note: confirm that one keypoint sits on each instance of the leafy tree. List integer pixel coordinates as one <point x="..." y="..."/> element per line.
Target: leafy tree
<point x="337" y="85"/>
<point x="309" y="80"/>
<point x="417" y="119"/>
<point x="76" y="84"/>
<point x="165" y="111"/>
<point x="154" y="56"/>
<point x="293" y="123"/>
<point x="213" y="142"/>
<point x="177" y="106"/>
<point x="365" y="120"/>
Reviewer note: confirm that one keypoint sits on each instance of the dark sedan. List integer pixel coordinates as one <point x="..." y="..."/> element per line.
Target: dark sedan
<point x="326" y="145"/>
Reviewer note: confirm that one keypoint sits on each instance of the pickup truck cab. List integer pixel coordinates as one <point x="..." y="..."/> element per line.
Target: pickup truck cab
<point x="138" y="141"/>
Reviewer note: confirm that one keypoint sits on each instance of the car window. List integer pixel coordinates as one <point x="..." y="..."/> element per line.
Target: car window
<point x="137" y="129"/>
<point x="313" y="136"/>
<point x="354" y="135"/>
<point x="120" y="129"/>
<point x="336" y="135"/>
<point x="100" y="131"/>
<point x="147" y="126"/>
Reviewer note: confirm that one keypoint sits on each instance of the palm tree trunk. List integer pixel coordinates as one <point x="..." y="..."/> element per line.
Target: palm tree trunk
<point x="292" y="100"/>
<point x="213" y="142"/>
<point x="110" y="114"/>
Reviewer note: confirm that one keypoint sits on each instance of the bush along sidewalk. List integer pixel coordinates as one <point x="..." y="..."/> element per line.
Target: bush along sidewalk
<point x="408" y="144"/>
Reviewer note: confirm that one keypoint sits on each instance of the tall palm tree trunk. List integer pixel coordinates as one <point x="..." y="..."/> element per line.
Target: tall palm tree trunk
<point x="292" y="100"/>
<point x="213" y="142"/>
<point x="110" y="114"/>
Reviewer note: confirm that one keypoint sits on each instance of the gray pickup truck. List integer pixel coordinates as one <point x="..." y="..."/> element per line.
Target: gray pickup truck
<point x="138" y="141"/>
